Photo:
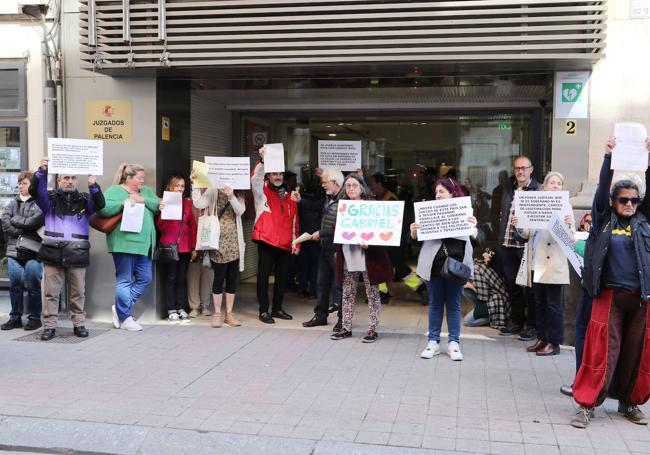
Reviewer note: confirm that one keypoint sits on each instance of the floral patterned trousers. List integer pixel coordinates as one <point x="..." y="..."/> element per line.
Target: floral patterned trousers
<point x="350" y="281"/>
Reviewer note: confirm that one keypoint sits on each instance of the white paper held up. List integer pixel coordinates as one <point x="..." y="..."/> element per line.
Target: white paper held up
<point x="563" y="236"/>
<point x="273" y="158"/>
<point x="173" y="209"/>
<point x="302" y="238"/>
<point x="75" y="156"/>
<point x="630" y="153"/>
<point x="132" y="217"/>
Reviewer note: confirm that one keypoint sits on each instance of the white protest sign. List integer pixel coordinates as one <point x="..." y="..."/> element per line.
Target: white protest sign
<point x="132" y="217"/>
<point x="630" y="153"/>
<point x="563" y="236"/>
<point x="534" y="209"/>
<point x="232" y="171"/>
<point x="273" y="158"/>
<point x="75" y="156"/>
<point x="444" y="218"/>
<point x="173" y="209"/>
<point x="342" y="155"/>
<point x="375" y="222"/>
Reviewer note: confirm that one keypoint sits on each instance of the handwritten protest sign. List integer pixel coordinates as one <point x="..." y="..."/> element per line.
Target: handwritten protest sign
<point x="273" y="158"/>
<point x="564" y="238"/>
<point x="534" y="209"/>
<point x="232" y="171"/>
<point x="443" y="218"/>
<point x="342" y="155"/>
<point x="75" y="156"/>
<point x="375" y="222"/>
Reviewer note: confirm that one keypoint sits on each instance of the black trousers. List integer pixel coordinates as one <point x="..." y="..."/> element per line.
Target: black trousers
<point x="176" y="283"/>
<point x="549" y="312"/>
<point x="326" y="284"/>
<point x="271" y="260"/>
<point x="520" y="298"/>
<point x="228" y="272"/>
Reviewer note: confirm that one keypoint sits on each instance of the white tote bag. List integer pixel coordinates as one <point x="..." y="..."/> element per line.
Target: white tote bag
<point x="208" y="231"/>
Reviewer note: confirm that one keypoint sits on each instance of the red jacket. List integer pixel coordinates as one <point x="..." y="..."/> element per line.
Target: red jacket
<point x="276" y="220"/>
<point x="169" y="229"/>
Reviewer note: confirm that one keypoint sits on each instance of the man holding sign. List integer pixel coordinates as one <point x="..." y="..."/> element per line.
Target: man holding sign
<point x="276" y="226"/>
<point x="65" y="250"/>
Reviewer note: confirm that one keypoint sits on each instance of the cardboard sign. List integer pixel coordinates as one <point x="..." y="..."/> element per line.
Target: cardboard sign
<point x="534" y="209"/>
<point x="342" y="155"/>
<point x="232" y="171"/>
<point x="75" y="156"/>
<point x="273" y="158"/>
<point x="374" y="222"/>
<point x="444" y="218"/>
<point x="563" y="236"/>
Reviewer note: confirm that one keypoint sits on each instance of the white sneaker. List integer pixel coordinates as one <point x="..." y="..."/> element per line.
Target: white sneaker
<point x="194" y="313"/>
<point x="432" y="349"/>
<point x="116" y="320"/>
<point x="185" y="319"/>
<point x="130" y="325"/>
<point x="453" y="349"/>
<point x="174" y="318"/>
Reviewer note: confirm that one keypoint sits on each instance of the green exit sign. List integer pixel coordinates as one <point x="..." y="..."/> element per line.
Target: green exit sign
<point x="504" y="126"/>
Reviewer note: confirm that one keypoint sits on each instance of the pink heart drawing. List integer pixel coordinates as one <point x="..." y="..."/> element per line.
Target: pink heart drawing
<point x="367" y="235"/>
<point x="348" y="235"/>
<point x="385" y="236"/>
<point x="343" y="208"/>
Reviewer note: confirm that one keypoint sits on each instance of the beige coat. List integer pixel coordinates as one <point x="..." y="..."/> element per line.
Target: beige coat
<point x="551" y="265"/>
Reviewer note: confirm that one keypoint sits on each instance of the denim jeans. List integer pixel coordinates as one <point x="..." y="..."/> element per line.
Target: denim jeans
<point x="444" y="295"/>
<point x="471" y="319"/>
<point x="326" y="284"/>
<point x="132" y="276"/>
<point x="21" y="278"/>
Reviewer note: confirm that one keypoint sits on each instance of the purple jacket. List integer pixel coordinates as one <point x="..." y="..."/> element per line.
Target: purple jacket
<point x="65" y="242"/>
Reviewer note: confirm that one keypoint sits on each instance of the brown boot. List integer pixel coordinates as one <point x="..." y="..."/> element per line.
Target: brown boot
<point x="230" y="320"/>
<point x="216" y="320"/>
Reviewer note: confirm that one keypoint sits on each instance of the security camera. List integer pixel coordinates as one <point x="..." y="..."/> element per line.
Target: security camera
<point x="34" y="8"/>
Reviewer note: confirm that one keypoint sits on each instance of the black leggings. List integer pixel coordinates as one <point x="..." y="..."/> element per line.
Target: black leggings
<point x="229" y="272"/>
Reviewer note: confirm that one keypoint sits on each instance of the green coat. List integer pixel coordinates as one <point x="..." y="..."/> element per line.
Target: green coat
<point x="142" y="242"/>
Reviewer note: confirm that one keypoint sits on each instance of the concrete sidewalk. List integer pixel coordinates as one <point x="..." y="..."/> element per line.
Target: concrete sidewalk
<point x="283" y="389"/>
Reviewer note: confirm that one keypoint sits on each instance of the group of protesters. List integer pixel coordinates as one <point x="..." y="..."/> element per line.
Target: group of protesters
<point x="515" y="288"/>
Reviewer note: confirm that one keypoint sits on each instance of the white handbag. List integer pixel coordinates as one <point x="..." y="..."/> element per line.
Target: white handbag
<point x="208" y="231"/>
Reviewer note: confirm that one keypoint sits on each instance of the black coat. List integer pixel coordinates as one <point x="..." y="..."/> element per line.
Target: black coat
<point x="21" y="218"/>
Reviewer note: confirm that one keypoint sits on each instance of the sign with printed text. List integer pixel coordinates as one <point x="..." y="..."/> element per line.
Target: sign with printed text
<point x="373" y="222"/>
<point x="75" y="156"/>
<point x="571" y="94"/>
<point x="232" y="171"/>
<point x="534" y="209"/>
<point x="443" y="218"/>
<point x="109" y="120"/>
<point x="342" y="155"/>
<point x="564" y="238"/>
<point x="273" y="158"/>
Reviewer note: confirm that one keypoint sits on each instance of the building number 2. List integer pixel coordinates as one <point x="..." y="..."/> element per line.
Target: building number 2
<point x="570" y="127"/>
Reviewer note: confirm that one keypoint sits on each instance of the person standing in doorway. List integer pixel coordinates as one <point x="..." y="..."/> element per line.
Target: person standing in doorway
<point x="276" y="226"/>
<point x="65" y="250"/>
<point x="512" y="250"/>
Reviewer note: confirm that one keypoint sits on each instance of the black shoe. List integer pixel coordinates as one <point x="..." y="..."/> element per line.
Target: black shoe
<point x="315" y="321"/>
<point x="333" y="308"/>
<point x="266" y="318"/>
<point x="510" y="329"/>
<point x="281" y="314"/>
<point x="341" y="334"/>
<point x="33" y="324"/>
<point x="15" y="323"/>
<point x="48" y="334"/>
<point x="370" y="337"/>
<point x="80" y="331"/>
<point x="338" y="326"/>
<point x="528" y="334"/>
<point x="384" y="297"/>
<point x="567" y="390"/>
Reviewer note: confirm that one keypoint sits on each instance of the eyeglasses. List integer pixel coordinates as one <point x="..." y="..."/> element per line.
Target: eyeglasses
<point x="354" y="185"/>
<point x="521" y="168"/>
<point x="625" y="200"/>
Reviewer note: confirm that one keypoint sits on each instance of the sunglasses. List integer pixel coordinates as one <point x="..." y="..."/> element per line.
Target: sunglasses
<point x="625" y="200"/>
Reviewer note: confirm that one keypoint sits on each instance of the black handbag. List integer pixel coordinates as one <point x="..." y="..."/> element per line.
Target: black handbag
<point x="169" y="253"/>
<point x="25" y="244"/>
<point x="454" y="270"/>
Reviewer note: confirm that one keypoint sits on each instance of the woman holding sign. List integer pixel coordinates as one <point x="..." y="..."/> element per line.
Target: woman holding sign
<point x="181" y="232"/>
<point x="444" y="292"/>
<point x="616" y="356"/>
<point x="368" y="261"/>
<point x="545" y="268"/>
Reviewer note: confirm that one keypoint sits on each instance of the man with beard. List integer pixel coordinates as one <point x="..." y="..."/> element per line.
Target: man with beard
<point x="65" y="250"/>
<point x="276" y="226"/>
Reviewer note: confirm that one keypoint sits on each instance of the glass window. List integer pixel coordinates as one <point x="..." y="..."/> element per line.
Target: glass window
<point x="12" y="89"/>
